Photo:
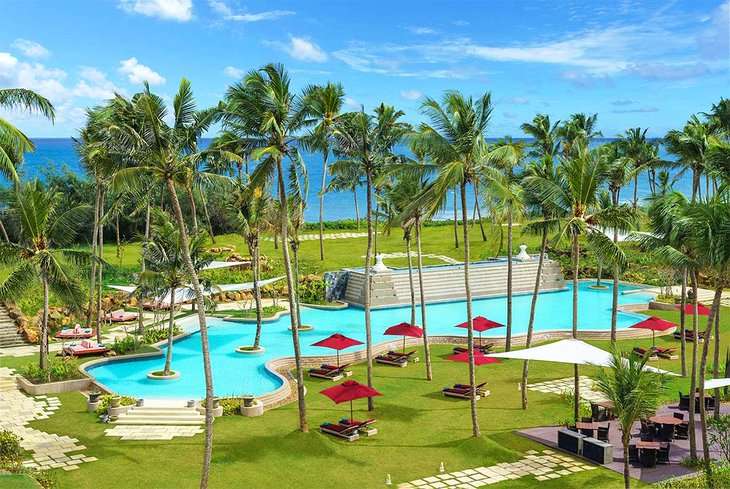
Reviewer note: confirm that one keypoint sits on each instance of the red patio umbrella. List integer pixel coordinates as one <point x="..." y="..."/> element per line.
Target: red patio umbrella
<point x="349" y="390"/>
<point x="479" y="358"/>
<point x="689" y="308"/>
<point x="405" y="329"/>
<point x="337" y="342"/>
<point x="654" y="324"/>
<point x="480" y="323"/>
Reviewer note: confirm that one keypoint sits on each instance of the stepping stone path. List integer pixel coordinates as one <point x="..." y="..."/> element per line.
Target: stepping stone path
<point x="539" y="466"/>
<point x="566" y="385"/>
<point x="399" y="254"/>
<point x="150" y="432"/>
<point x="313" y="237"/>
<point x="49" y="451"/>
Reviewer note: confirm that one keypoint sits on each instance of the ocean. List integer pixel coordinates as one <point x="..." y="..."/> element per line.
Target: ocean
<point x="57" y="155"/>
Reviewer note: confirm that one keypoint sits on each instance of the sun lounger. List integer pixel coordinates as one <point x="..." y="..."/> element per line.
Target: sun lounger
<point x="121" y="316"/>
<point x="399" y="354"/>
<point x="642" y="352"/>
<point x="484" y="348"/>
<point x="348" y="432"/>
<point x="464" y="391"/>
<point x="666" y="353"/>
<point x="480" y="387"/>
<point x="328" y="372"/>
<point x="75" y="333"/>
<point x="363" y="427"/>
<point x="689" y="335"/>
<point x="395" y="360"/>
<point x="85" y="348"/>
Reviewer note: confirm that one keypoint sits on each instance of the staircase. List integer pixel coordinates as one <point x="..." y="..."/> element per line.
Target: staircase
<point x="9" y="335"/>
<point x="161" y="415"/>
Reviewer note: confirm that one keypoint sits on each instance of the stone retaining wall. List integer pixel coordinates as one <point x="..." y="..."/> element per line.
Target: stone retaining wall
<point x="53" y="387"/>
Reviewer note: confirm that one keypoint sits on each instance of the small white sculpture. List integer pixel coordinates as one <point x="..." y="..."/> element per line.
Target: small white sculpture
<point x="522" y="255"/>
<point x="379" y="265"/>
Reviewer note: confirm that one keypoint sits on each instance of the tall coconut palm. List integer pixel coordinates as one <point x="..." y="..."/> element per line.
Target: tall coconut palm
<point x="634" y="148"/>
<point x="504" y="186"/>
<point x="163" y="253"/>
<point x="323" y="104"/>
<point x="252" y="207"/>
<point x="163" y="153"/>
<point x="545" y="134"/>
<point x="347" y="179"/>
<point x="263" y="109"/>
<point x="365" y="142"/>
<point x="690" y="145"/>
<point x="575" y="195"/>
<point x="454" y="138"/>
<point x="46" y="229"/>
<point x="635" y="394"/>
<point x="578" y="130"/>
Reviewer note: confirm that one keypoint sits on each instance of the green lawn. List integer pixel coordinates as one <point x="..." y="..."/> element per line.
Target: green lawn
<point x="419" y="429"/>
<point x="17" y="482"/>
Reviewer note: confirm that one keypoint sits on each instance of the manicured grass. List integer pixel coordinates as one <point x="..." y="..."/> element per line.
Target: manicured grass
<point x="17" y="482"/>
<point x="418" y="429"/>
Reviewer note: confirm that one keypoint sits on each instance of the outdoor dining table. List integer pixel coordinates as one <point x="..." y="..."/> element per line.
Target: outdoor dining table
<point x="648" y="445"/>
<point x="666" y="419"/>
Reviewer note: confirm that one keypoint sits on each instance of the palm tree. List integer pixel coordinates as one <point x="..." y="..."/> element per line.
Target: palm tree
<point x="634" y="148"/>
<point x="691" y="145"/>
<point x="366" y="142"/>
<point x="163" y="253"/>
<point x="575" y="195"/>
<point x="454" y="140"/>
<point x="323" y="104"/>
<point x="252" y="206"/>
<point x="635" y="394"/>
<point x="264" y="110"/>
<point x="579" y="130"/>
<point x="545" y="134"/>
<point x="13" y="143"/>
<point x="347" y="179"/>
<point x="504" y="187"/>
<point x="163" y="152"/>
<point x="46" y="228"/>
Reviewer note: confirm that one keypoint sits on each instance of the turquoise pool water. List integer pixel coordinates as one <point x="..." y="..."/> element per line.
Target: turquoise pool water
<point x="235" y="374"/>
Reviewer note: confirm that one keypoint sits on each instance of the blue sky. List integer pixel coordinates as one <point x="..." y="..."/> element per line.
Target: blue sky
<point x="636" y="63"/>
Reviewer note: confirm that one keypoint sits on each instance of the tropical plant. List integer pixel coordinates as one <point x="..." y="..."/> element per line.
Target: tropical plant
<point x="46" y="230"/>
<point x="690" y="145"/>
<point x="578" y="130"/>
<point x="347" y="178"/>
<point x="635" y="394"/>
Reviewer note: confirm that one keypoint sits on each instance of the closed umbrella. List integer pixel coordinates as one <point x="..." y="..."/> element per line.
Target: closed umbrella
<point x="349" y="390"/>
<point x="480" y="324"/>
<point x="654" y="324"/>
<point x="337" y="342"/>
<point x="404" y="329"/>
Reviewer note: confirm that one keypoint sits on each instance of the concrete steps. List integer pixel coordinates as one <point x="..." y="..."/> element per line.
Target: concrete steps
<point x="160" y="415"/>
<point x="9" y="336"/>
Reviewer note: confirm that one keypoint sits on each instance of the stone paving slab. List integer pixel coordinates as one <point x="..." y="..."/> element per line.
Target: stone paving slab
<point x="399" y="254"/>
<point x="313" y="237"/>
<point x="561" y="386"/>
<point x="152" y="432"/>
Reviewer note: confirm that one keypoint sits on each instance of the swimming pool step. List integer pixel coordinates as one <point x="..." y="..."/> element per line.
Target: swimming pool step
<point x="160" y="415"/>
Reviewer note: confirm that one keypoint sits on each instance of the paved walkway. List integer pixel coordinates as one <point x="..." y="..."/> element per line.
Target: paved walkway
<point x="560" y="386"/>
<point x="399" y="254"/>
<point x="49" y="451"/>
<point x="314" y="237"/>
<point x="703" y="295"/>
<point x="152" y="432"/>
<point x="534" y="465"/>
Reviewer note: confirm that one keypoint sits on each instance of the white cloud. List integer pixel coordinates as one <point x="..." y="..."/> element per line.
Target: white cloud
<point x="422" y="31"/>
<point x="517" y="100"/>
<point x="621" y="102"/>
<point x="227" y="13"/>
<point x="94" y="84"/>
<point x="138" y="73"/>
<point x="635" y="111"/>
<point x="351" y="103"/>
<point x="300" y="48"/>
<point x="31" y="49"/>
<point x="179" y="10"/>
<point x="411" y="94"/>
<point x="233" y="72"/>
<point x="35" y="76"/>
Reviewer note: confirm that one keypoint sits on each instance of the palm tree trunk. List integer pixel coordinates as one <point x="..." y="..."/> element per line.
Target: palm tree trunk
<point x="693" y="374"/>
<point x="470" y="322"/>
<point x="44" y="328"/>
<point x="4" y="232"/>
<point x="701" y="383"/>
<point x="295" y="261"/>
<point x="479" y="213"/>
<point x="322" y="190"/>
<point x="625" y="439"/>
<point x="357" y="211"/>
<point x="576" y="378"/>
<point x="100" y="269"/>
<point x="636" y="190"/>
<point x="456" y="223"/>
<point x="193" y="208"/>
<point x="508" y="341"/>
<point x="716" y="364"/>
<point x="94" y="239"/>
<point x="682" y="322"/>
<point x="170" y="331"/>
<point x="206" y="214"/>
<point x="368" y="285"/>
<point x="616" y="273"/>
<point x="375" y="233"/>
<point x="533" y="307"/>
<point x="291" y="285"/>
<point x="119" y="239"/>
<point x="254" y="249"/>
<point x="140" y="309"/>
<point x="208" y="449"/>
<point x="426" y="347"/>
<point x="410" y="277"/>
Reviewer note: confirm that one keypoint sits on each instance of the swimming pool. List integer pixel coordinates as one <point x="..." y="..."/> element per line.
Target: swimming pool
<point x="235" y="374"/>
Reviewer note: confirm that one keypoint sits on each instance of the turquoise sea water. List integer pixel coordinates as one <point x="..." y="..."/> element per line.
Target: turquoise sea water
<point x="235" y="374"/>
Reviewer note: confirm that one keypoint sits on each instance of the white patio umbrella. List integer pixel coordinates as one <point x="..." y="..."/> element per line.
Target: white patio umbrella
<point x="571" y="351"/>
<point x="716" y="383"/>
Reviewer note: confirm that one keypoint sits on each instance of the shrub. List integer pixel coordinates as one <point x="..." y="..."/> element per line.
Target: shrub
<point x="58" y="370"/>
<point x="153" y="335"/>
<point x="720" y="478"/>
<point x="10" y="451"/>
<point x="106" y="400"/>
<point x="584" y="409"/>
<point x="311" y="289"/>
<point x="125" y="345"/>
<point x="719" y="435"/>
<point x="231" y="406"/>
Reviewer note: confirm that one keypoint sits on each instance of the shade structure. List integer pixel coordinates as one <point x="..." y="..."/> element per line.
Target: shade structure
<point x="702" y="310"/>
<point x="349" y="390"/>
<point x="337" y="342"/>
<point x="215" y="265"/>
<point x="480" y="324"/>
<point x="404" y="329"/>
<point x="716" y="383"/>
<point x="479" y="358"/>
<point x="654" y="324"/>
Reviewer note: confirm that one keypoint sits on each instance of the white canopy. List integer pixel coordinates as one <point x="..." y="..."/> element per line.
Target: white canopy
<point x="184" y="294"/>
<point x="716" y="383"/>
<point x="215" y="265"/>
<point x="571" y="351"/>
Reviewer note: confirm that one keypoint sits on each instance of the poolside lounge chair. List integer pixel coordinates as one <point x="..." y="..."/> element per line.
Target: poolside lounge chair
<point x="75" y="333"/>
<point x="484" y="348"/>
<point x="329" y="372"/>
<point x="395" y="360"/>
<point x="121" y="316"/>
<point x="85" y="348"/>
<point x="464" y="391"/>
<point x="666" y="353"/>
<point x="407" y="355"/>
<point x="363" y="427"/>
<point x="348" y="432"/>
<point x="689" y="335"/>
<point x="641" y="352"/>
